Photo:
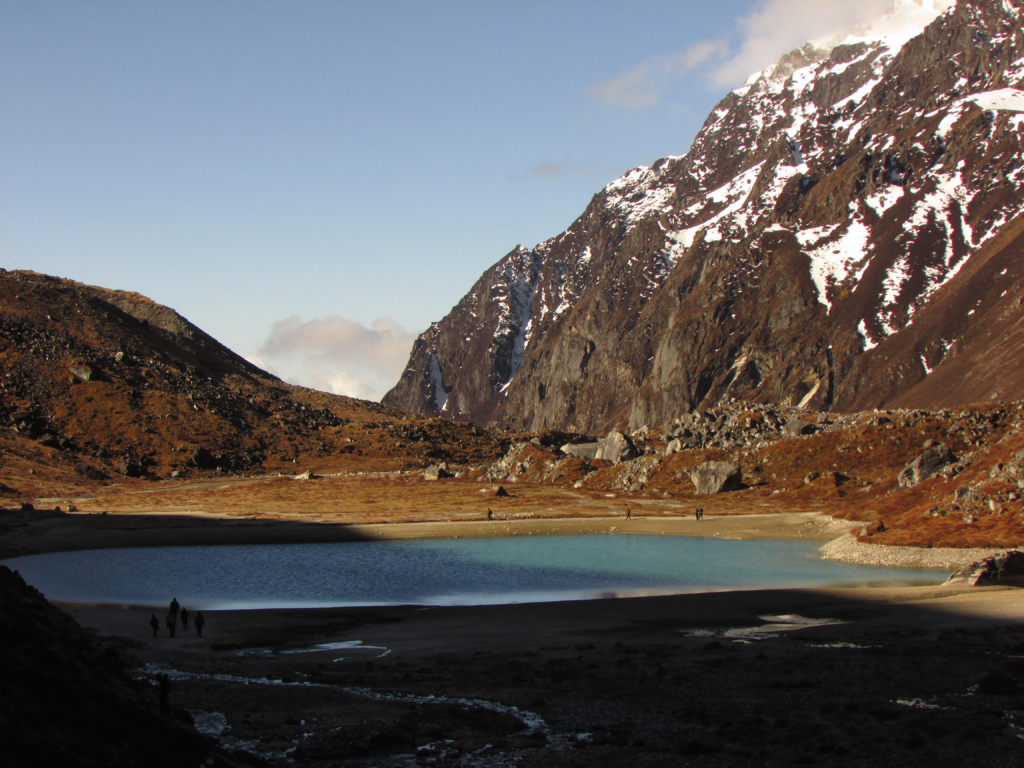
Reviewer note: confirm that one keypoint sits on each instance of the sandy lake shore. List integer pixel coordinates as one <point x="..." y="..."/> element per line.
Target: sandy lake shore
<point x="28" y="533"/>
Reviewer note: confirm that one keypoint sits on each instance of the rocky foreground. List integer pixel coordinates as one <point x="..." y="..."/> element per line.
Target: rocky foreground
<point x="911" y="677"/>
<point x="70" y="698"/>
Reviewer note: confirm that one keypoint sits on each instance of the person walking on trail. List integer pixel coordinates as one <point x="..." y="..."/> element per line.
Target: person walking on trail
<point x="629" y="515"/>
<point x="184" y="618"/>
<point x="199" y="622"/>
<point x="172" y="620"/>
<point x="174" y="607"/>
<point x="490" y="515"/>
<point x="154" y="622"/>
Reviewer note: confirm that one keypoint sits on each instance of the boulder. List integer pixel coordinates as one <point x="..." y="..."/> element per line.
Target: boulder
<point x="501" y="492"/>
<point x="674" y="446"/>
<point x="796" y="427"/>
<point x="307" y="475"/>
<point x="81" y="372"/>
<point x="926" y="465"/>
<point x="616" y="448"/>
<point x="89" y="472"/>
<point x="1004" y="568"/>
<point x="586" y="451"/>
<point x="717" y="477"/>
<point x="437" y="472"/>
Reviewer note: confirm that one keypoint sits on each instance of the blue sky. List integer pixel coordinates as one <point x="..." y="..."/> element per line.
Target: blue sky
<point x="313" y="183"/>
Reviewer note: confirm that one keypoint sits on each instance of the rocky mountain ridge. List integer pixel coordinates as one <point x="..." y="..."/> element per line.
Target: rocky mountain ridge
<point x="843" y="235"/>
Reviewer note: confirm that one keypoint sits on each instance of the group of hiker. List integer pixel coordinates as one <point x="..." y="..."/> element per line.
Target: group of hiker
<point x="176" y="612"/>
<point x="698" y="513"/>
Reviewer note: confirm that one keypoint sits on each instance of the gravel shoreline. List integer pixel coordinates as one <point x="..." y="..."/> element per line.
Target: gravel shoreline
<point x="848" y="550"/>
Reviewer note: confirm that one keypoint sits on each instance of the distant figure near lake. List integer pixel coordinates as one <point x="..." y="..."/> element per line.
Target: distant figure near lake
<point x="154" y="622"/>
<point x="184" y="618"/>
<point x="200" y="622"/>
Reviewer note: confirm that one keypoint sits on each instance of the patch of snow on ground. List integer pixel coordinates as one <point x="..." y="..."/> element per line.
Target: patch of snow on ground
<point x="956" y="110"/>
<point x="884" y="199"/>
<point x="862" y="331"/>
<point x="895" y="278"/>
<point x="831" y="262"/>
<point x="736" y="190"/>
<point x="857" y="95"/>
<point x="1010" y="99"/>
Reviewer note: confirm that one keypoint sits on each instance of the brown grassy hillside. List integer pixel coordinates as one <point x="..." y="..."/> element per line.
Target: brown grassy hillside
<point x="98" y="385"/>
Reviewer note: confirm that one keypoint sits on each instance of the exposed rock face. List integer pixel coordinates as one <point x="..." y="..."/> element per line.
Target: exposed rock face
<point x="927" y="465"/>
<point x="616" y="448"/>
<point x="1007" y="568"/>
<point x="586" y="451"/>
<point x="843" y="234"/>
<point x="717" y="477"/>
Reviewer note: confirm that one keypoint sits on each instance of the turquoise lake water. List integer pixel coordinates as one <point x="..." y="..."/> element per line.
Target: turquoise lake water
<point x="439" y="572"/>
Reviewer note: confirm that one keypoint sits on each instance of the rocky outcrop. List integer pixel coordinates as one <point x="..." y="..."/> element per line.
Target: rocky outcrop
<point x="717" y="477"/>
<point x="844" y="234"/>
<point x="616" y="448"/>
<point x="586" y="451"/>
<point x="1005" y="568"/>
<point x="437" y="472"/>
<point x="926" y="466"/>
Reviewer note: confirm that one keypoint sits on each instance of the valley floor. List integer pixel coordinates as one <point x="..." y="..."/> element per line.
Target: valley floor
<point x="845" y="677"/>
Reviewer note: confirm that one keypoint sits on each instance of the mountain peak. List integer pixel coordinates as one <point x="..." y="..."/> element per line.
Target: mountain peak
<point x="840" y="236"/>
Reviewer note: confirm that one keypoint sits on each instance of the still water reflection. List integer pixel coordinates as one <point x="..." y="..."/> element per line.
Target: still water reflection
<point x="438" y="572"/>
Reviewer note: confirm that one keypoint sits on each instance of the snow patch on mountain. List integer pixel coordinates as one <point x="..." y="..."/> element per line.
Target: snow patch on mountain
<point x="832" y="258"/>
<point x="1008" y="99"/>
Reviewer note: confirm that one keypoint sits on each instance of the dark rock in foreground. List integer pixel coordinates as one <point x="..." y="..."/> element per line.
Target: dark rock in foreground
<point x="65" y="700"/>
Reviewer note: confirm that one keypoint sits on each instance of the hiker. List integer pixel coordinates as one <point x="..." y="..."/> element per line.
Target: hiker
<point x="629" y="515"/>
<point x="154" y="622"/>
<point x="174" y="607"/>
<point x="172" y="621"/>
<point x="184" y="618"/>
<point x="696" y="513"/>
<point x="490" y="515"/>
<point x="199" y="622"/>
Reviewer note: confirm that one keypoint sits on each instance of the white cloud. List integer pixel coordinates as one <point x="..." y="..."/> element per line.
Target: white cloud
<point x="336" y="355"/>
<point x="777" y="27"/>
<point x="772" y="29"/>
<point x="642" y="86"/>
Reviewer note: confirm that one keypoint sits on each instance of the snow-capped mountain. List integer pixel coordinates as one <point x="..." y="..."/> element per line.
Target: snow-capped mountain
<point x="845" y="233"/>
